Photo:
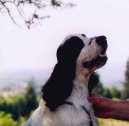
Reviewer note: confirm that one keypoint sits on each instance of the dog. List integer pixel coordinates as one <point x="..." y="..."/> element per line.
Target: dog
<point x="64" y="99"/>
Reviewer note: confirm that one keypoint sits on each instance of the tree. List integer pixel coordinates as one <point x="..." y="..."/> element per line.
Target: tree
<point x="94" y="82"/>
<point x="18" y="105"/>
<point x="125" y="93"/>
<point x="116" y="93"/>
<point x="31" y="99"/>
<point x="30" y="11"/>
<point x="97" y="86"/>
<point x="6" y="120"/>
<point x="107" y="93"/>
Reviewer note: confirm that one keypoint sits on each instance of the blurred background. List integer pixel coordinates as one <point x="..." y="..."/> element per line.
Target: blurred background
<point x="32" y="30"/>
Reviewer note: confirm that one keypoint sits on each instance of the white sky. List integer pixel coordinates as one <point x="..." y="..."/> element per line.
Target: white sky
<point x="36" y="48"/>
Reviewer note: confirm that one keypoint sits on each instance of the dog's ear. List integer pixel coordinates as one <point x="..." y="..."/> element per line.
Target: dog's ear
<point x="93" y="81"/>
<point x="59" y="86"/>
<point x="69" y="50"/>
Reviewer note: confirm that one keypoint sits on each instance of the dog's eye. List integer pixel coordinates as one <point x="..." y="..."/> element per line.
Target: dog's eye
<point x="83" y="35"/>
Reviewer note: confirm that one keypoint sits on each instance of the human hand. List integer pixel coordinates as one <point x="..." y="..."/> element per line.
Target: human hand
<point x="107" y="108"/>
<point x="103" y="107"/>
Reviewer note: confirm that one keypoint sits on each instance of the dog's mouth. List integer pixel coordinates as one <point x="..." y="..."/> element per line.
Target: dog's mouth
<point x="99" y="61"/>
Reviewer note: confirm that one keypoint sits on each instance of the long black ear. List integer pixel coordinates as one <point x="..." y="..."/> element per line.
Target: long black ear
<point x="69" y="51"/>
<point x="59" y="86"/>
<point x="93" y="81"/>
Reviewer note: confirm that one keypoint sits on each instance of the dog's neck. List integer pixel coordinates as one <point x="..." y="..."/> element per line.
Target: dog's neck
<point x="81" y="80"/>
<point x="80" y="90"/>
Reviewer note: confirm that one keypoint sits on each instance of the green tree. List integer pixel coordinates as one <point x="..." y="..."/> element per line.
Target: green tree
<point x="6" y="120"/>
<point x="31" y="99"/>
<point x="94" y="82"/>
<point x="107" y="93"/>
<point x="125" y="93"/>
<point x="116" y="93"/>
<point x="20" y="105"/>
<point x="99" y="88"/>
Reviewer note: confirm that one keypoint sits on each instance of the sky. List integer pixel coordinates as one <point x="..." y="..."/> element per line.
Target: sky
<point x="21" y="48"/>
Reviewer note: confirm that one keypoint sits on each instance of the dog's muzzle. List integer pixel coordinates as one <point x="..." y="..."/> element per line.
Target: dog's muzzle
<point x="102" y="41"/>
<point x="101" y="59"/>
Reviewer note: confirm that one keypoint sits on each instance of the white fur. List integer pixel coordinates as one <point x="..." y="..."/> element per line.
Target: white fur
<point x="66" y="115"/>
<point x="71" y="115"/>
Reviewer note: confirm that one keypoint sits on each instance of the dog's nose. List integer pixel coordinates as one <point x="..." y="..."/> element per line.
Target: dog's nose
<point x="101" y="41"/>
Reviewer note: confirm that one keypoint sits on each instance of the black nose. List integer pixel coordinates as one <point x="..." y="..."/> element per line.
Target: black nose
<point x="101" y="41"/>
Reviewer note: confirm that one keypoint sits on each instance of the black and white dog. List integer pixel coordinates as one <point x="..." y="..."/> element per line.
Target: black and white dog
<point x="64" y="100"/>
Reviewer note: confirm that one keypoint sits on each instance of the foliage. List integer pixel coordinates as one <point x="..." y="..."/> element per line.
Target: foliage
<point x="125" y="93"/>
<point x="112" y="92"/>
<point x="31" y="100"/>
<point x="107" y="93"/>
<point x="19" y="105"/>
<point x="112" y="122"/>
<point x="116" y="93"/>
<point x="6" y="120"/>
<point x="30" y="11"/>
<point x="99" y="89"/>
<point x="15" y="109"/>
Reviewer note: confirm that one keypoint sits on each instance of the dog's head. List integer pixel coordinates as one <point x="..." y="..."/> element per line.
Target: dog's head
<point x="88" y="54"/>
<point x="76" y="55"/>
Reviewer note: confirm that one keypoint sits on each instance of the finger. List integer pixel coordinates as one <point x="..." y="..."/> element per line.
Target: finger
<point x="104" y="115"/>
<point x="94" y="100"/>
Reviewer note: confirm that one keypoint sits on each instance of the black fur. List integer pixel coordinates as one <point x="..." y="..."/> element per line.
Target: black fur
<point x="93" y="81"/>
<point x="59" y="86"/>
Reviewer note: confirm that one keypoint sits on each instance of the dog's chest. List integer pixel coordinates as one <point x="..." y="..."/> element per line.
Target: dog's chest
<point x="72" y="116"/>
<point x="75" y="114"/>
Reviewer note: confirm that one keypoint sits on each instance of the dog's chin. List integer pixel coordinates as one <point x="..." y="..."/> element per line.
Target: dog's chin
<point x="96" y="63"/>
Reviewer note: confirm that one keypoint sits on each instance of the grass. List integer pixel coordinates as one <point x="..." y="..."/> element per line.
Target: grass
<point x="111" y="122"/>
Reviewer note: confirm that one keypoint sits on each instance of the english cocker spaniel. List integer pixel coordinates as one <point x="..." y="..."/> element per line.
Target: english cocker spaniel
<point x="64" y="100"/>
